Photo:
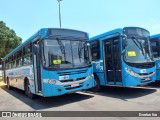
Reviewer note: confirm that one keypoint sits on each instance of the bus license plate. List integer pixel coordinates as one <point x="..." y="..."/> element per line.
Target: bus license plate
<point x="75" y="85"/>
<point x="146" y="79"/>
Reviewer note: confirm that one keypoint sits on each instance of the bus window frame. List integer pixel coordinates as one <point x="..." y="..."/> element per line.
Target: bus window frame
<point x="97" y="50"/>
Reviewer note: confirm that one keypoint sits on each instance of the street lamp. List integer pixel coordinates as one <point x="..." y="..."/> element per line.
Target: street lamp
<point x="59" y="12"/>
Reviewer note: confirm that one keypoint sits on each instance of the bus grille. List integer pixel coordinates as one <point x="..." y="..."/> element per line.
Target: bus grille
<point x="71" y="80"/>
<point x="145" y="73"/>
<point x="144" y="80"/>
<point x="72" y="72"/>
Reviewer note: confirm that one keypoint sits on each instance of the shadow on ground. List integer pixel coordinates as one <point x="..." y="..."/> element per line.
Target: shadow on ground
<point x="43" y="103"/>
<point x="124" y="93"/>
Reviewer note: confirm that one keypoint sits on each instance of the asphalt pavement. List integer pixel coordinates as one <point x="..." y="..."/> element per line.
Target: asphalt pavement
<point x="108" y="99"/>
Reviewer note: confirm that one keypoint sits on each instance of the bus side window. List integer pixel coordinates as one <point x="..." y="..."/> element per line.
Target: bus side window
<point x="27" y="55"/>
<point x="10" y="65"/>
<point x="6" y="64"/>
<point x="13" y="64"/>
<point x="95" y="50"/>
<point x="27" y="59"/>
<point x="19" y="59"/>
<point x="155" y="49"/>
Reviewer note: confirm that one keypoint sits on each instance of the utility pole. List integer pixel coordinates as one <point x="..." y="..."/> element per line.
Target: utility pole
<point x="59" y="2"/>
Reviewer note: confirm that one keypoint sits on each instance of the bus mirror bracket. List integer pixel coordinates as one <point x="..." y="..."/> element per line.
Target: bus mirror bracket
<point x="123" y="52"/>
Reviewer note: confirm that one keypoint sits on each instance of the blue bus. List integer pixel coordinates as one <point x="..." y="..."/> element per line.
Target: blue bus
<point x="155" y="45"/>
<point x="122" y="57"/>
<point x="52" y="62"/>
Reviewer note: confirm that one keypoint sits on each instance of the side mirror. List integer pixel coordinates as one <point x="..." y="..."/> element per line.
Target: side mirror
<point x="89" y="52"/>
<point x="124" y="41"/>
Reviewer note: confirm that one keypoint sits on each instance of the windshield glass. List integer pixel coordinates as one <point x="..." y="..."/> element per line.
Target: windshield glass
<point x="138" y="50"/>
<point x="65" y="54"/>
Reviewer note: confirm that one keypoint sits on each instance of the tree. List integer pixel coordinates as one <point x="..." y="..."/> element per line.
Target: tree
<point x="8" y="40"/>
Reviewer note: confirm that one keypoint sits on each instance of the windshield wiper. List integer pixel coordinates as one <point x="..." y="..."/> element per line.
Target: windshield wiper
<point x="142" y="48"/>
<point x="135" y="40"/>
<point x="62" y="47"/>
<point x="79" y="51"/>
<point x="44" y="56"/>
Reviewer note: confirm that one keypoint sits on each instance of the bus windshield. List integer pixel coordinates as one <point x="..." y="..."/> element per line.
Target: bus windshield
<point x="61" y="54"/>
<point x="138" y="50"/>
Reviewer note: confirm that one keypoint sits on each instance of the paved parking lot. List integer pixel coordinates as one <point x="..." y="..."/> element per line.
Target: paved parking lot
<point x="109" y="99"/>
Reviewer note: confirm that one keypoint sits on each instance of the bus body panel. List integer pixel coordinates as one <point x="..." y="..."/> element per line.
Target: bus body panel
<point x="126" y="79"/>
<point x="101" y="77"/>
<point x="158" y="70"/>
<point x="155" y="49"/>
<point x="16" y="77"/>
<point x="135" y="81"/>
<point x="78" y="77"/>
<point x="40" y="78"/>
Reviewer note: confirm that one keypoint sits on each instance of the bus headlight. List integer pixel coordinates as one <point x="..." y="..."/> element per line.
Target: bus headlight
<point x="132" y="73"/>
<point x="91" y="75"/>
<point x="50" y="81"/>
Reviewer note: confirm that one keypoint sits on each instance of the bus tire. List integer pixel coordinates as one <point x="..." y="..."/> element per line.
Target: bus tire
<point x="97" y="85"/>
<point x="8" y="84"/>
<point x="28" y="90"/>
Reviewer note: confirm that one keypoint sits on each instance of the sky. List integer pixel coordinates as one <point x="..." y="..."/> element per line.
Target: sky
<point x="26" y="17"/>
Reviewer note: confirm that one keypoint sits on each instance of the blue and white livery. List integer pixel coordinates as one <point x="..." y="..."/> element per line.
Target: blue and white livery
<point x="50" y="63"/>
<point x="155" y="44"/>
<point x="122" y="57"/>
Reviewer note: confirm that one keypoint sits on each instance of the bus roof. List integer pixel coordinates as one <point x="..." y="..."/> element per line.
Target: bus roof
<point x="155" y="36"/>
<point x="107" y="33"/>
<point x="42" y="33"/>
<point x="118" y="30"/>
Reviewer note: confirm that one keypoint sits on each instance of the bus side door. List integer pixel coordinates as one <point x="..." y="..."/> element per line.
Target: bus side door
<point x="37" y="71"/>
<point x="112" y="59"/>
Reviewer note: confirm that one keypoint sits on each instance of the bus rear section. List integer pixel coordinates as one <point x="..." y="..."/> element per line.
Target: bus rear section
<point x="123" y="57"/>
<point x="50" y="63"/>
<point x="155" y="43"/>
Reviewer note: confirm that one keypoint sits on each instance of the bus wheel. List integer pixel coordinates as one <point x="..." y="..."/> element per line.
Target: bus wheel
<point x="97" y="85"/>
<point x="8" y="84"/>
<point x="28" y="90"/>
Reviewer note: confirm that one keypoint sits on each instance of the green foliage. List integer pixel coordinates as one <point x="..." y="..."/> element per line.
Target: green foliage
<point x="8" y="40"/>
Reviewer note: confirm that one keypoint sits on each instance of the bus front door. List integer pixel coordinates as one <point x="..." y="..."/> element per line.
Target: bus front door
<point x="112" y="61"/>
<point x="37" y="73"/>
